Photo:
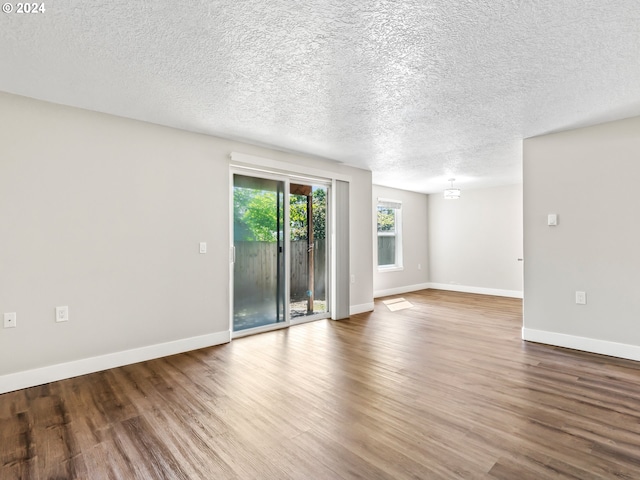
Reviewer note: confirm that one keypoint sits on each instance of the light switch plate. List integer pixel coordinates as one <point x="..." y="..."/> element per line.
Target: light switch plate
<point x="552" y="219"/>
<point x="203" y="247"/>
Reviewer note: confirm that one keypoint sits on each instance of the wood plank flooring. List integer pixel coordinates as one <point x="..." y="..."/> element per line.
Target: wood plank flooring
<point x="445" y="389"/>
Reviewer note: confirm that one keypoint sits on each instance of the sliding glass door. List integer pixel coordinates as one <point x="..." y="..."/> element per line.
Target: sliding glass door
<point x="259" y="267"/>
<point x="280" y="266"/>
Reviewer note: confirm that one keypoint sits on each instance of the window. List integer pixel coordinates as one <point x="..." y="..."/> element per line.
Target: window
<point x="389" y="234"/>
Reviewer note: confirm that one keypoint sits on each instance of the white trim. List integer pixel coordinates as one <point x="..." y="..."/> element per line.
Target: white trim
<point x="398" y="290"/>
<point x="591" y="345"/>
<point x="365" y="307"/>
<point x="480" y="290"/>
<point x="276" y="166"/>
<point x="61" y="371"/>
<point x="391" y="268"/>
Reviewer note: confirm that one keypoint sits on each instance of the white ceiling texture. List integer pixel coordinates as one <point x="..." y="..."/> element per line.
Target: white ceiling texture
<point x="417" y="91"/>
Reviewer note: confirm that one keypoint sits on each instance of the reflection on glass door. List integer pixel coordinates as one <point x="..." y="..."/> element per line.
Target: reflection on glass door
<point x="258" y="272"/>
<point x="308" y="250"/>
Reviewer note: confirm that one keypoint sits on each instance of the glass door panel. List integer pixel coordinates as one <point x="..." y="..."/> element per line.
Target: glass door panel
<point x="259" y="267"/>
<point x="308" y="250"/>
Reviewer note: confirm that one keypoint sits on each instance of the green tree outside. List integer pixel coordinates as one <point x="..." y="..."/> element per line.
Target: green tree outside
<point x="255" y="215"/>
<point x="386" y="219"/>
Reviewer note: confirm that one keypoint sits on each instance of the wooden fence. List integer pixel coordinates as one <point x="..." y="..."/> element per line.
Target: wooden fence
<point x="256" y="267"/>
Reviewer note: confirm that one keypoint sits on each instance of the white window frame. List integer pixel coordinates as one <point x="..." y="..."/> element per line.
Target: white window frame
<point x="396" y="205"/>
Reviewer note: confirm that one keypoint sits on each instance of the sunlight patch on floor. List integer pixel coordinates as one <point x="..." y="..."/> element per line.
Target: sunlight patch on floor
<point x="396" y="304"/>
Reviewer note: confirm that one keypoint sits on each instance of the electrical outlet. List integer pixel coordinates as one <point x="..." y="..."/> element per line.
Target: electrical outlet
<point x="62" y="314"/>
<point x="10" y="320"/>
<point x="581" y="298"/>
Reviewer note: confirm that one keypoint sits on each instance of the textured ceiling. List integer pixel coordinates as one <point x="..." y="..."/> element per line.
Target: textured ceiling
<point x="417" y="91"/>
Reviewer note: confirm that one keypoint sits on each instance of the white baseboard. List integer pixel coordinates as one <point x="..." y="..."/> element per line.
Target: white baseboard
<point x="480" y="290"/>
<point x="365" y="307"/>
<point x="400" y="290"/>
<point x="39" y="376"/>
<point x="592" y="345"/>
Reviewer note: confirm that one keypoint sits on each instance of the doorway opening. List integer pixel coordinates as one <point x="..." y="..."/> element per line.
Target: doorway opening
<point x="308" y="250"/>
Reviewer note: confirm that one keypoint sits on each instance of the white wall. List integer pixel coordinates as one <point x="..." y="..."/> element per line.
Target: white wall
<point x="590" y="178"/>
<point x="105" y="214"/>
<point x="475" y="241"/>
<point x="415" y="273"/>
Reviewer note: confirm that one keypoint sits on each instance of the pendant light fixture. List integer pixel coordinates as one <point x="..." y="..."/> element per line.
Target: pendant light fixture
<point x="452" y="193"/>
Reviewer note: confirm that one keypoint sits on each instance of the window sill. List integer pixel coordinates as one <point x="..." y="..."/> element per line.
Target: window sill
<point x="391" y="268"/>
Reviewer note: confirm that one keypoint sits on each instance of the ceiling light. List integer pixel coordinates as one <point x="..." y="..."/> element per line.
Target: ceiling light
<point x="452" y="193"/>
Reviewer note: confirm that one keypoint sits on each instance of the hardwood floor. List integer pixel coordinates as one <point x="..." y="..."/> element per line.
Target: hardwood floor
<point x="445" y="389"/>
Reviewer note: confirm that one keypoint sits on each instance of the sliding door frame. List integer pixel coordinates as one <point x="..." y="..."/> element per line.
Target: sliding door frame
<point x="250" y="165"/>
